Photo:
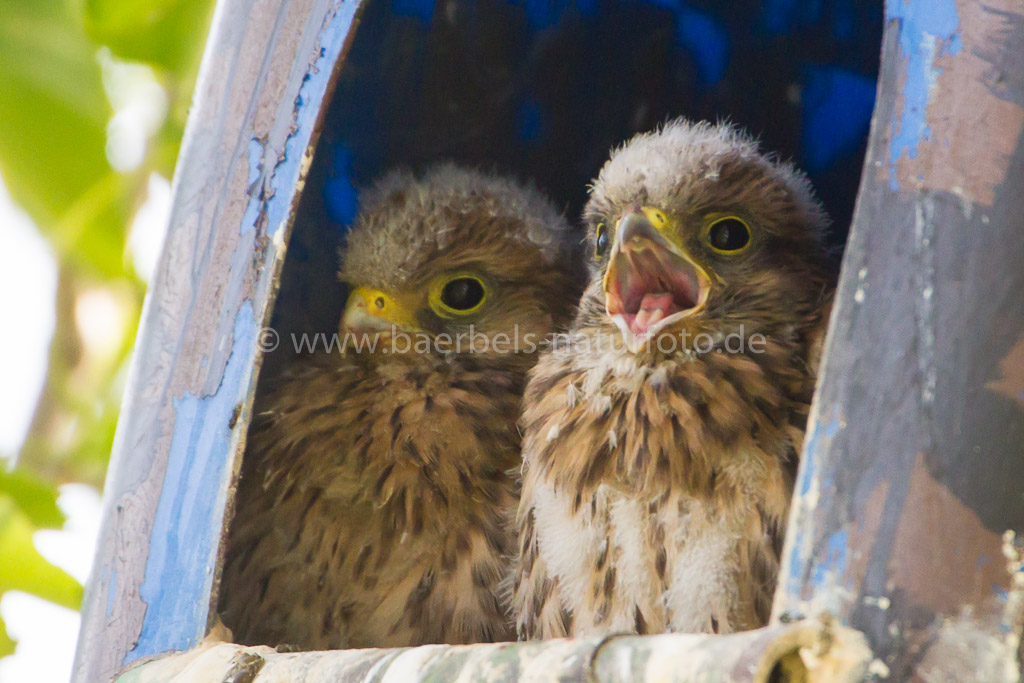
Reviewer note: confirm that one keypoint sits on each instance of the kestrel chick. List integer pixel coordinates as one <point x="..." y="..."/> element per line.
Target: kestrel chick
<point x="661" y="440"/>
<point x="372" y="509"/>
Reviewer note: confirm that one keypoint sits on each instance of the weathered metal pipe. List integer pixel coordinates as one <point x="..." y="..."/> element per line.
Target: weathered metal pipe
<point x="807" y="652"/>
<point x="913" y="469"/>
<point x="261" y="89"/>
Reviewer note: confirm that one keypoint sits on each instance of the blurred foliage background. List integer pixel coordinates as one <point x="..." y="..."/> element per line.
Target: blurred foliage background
<point x="68" y="70"/>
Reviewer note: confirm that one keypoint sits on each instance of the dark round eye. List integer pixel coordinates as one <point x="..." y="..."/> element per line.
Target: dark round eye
<point x="729" y="234"/>
<point x="602" y="242"/>
<point x="463" y="294"/>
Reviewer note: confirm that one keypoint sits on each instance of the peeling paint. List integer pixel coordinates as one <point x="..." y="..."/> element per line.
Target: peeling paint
<point x="110" y="576"/>
<point x="290" y="168"/>
<point x="862" y="285"/>
<point x="924" y="233"/>
<point x="253" y="206"/>
<point x="184" y="540"/>
<point x="827" y="431"/>
<point x="182" y="549"/>
<point x="800" y="543"/>
<point x="255" y="162"/>
<point x="880" y="602"/>
<point x="957" y="80"/>
<point x="828" y="574"/>
<point x="925" y="32"/>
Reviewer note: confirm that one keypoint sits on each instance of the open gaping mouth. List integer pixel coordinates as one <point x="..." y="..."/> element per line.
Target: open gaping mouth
<point x="650" y="284"/>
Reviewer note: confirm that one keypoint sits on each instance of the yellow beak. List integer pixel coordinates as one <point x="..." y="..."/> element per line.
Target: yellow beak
<point x="374" y="310"/>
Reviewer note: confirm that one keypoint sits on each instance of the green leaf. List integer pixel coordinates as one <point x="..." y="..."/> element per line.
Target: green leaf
<point x="6" y="643"/>
<point x="53" y="110"/>
<point x="53" y="122"/>
<point x="22" y="568"/>
<point x="165" y="33"/>
<point x="91" y="233"/>
<point x="24" y="500"/>
<point x="33" y="496"/>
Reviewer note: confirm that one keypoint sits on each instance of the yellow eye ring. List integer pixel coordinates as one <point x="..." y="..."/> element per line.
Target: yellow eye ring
<point x="601" y="240"/>
<point x="729" y="235"/>
<point x="455" y="295"/>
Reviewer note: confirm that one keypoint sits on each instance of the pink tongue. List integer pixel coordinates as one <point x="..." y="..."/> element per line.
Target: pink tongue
<point x="653" y="308"/>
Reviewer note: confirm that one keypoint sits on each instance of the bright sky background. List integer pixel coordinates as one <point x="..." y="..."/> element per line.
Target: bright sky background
<point x="29" y="277"/>
<point x="46" y="633"/>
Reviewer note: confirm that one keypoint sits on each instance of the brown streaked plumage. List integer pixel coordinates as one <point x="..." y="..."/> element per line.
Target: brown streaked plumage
<point x="372" y="507"/>
<point x="659" y="463"/>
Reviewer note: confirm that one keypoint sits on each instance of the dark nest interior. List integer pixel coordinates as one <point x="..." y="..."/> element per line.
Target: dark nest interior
<point x="543" y="89"/>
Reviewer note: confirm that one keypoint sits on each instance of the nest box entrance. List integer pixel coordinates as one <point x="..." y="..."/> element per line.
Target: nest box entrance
<point x="303" y="102"/>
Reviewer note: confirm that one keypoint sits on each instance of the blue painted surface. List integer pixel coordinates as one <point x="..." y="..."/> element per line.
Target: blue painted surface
<point x="844" y="23"/>
<point x="706" y="40"/>
<point x="340" y="195"/>
<point x="832" y="566"/>
<point x="794" y="573"/>
<point x="185" y="536"/>
<point x="110" y="582"/>
<point x="926" y="30"/>
<point x="819" y="435"/>
<point x="530" y="121"/>
<point x="420" y="9"/>
<point x="255" y="161"/>
<point x="543" y="13"/>
<point x="837" y="108"/>
<point x="778" y="14"/>
<point x="307" y="107"/>
<point x="785" y="16"/>
<point x="255" y="190"/>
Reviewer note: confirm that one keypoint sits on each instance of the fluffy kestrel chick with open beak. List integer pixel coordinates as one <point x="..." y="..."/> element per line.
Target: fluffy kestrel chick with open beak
<point x="373" y="505"/>
<point x="661" y="440"/>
